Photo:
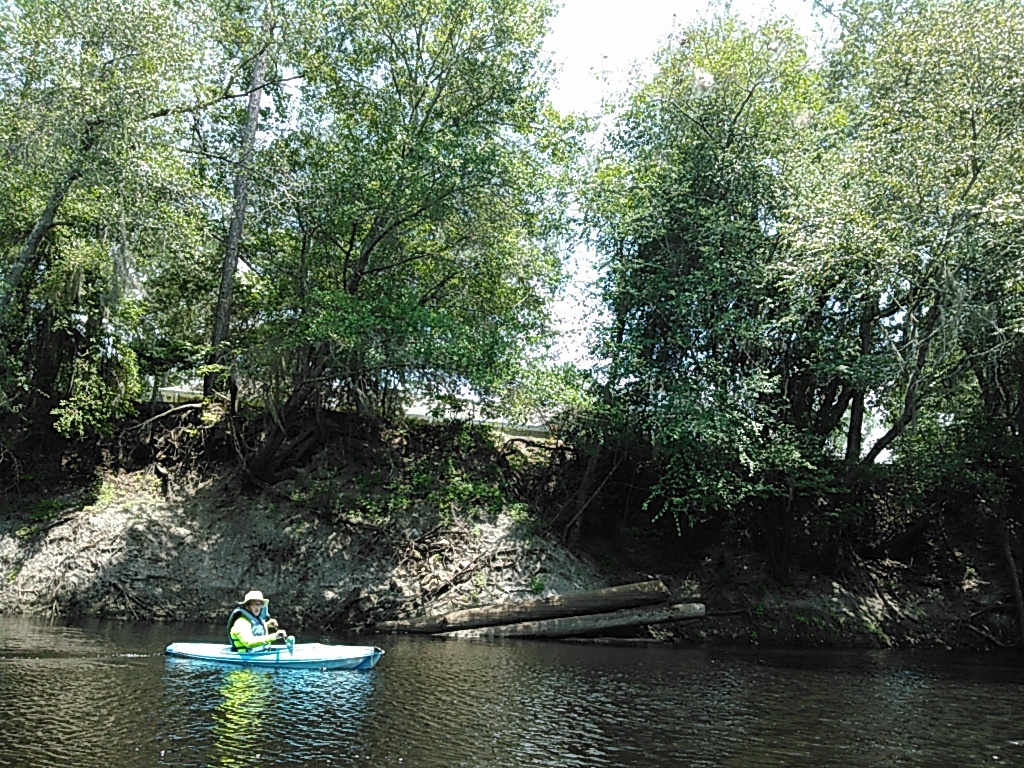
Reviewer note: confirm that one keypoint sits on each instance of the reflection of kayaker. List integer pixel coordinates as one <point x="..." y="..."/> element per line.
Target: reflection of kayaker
<point x="249" y="625"/>
<point x="239" y="718"/>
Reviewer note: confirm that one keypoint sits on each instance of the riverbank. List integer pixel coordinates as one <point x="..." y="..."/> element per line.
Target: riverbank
<point x="345" y="545"/>
<point x="133" y="554"/>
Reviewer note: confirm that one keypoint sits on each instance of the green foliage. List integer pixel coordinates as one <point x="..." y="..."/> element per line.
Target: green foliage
<point x="103" y="391"/>
<point x="923" y="163"/>
<point x="407" y="203"/>
<point x="687" y="201"/>
<point x="417" y="252"/>
<point x="46" y="511"/>
<point x="103" y="491"/>
<point x="520" y="514"/>
<point x="449" y="490"/>
<point x="809" y="265"/>
<point x="97" y="197"/>
<point x="812" y="266"/>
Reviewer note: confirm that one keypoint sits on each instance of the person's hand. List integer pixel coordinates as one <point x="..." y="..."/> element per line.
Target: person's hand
<point x="272" y="625"/>
<point x="281" y="634"/>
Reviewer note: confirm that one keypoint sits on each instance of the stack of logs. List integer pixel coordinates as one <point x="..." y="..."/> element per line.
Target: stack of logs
<point x="579" y="613"/>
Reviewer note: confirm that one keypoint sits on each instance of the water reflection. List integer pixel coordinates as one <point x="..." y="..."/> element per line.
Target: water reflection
<point x="238" y="722"/>
<point x="232" y="717"/>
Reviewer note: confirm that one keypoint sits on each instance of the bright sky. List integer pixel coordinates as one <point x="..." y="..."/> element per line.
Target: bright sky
<point x="591" y="38"/>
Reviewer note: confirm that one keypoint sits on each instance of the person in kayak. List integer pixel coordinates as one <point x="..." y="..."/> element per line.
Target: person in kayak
<point x="249" y="626"/>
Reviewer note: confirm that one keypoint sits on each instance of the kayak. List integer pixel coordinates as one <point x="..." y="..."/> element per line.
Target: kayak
<point x="298" y="656"/>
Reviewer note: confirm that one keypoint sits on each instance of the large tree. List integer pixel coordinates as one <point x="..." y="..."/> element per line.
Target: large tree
<point x="686" y="205"/>
<point x="409" y="235"/>
<point x="795" y="255"/>
<point x="908" y="214"/>
<point x="388" y="176"/>
<point x="92" y="98"/>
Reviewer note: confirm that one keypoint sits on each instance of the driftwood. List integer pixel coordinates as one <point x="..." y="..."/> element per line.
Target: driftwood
<point x="581" y="625"/>
<point x="572" y="604"/>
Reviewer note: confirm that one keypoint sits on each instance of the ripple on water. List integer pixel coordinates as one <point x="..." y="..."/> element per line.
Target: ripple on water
<point x="69" y="711"/>
<point x="87" y="701"/>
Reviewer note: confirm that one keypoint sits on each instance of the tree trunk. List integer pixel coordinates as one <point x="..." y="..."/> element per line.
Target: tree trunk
<point x="222" y="313"/>
<point x="581" y="499"/>
<point x="573" y="604"/>
<point x="264" y="466"/>
<point x="584" y="625"/>
<point x="29" y="251"/>
<point x="915" y="382"/>
<point x="1011" y="569"/>
<point x="854" y="436"/>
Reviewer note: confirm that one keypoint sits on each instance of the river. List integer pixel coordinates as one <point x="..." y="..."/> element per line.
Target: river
<point x="103" y="694"/>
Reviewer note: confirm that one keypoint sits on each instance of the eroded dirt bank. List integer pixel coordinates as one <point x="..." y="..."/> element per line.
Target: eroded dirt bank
<point x="344" y="548"/>
<point x="135" y="555"/>
<point x="132" y="554"/>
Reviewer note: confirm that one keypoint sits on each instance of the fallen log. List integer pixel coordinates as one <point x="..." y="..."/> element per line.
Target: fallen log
<point x="568" y="626"/>
<point x="572" y="604"/>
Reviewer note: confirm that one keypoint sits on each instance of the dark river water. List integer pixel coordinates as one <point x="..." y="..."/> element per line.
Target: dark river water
<point x="104" y="694"/>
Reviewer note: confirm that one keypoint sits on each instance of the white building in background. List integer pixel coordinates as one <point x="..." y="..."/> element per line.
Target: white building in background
<point x="178" y="395"/>
<point x="425" y="411"/>
<point x="422" y="410"/>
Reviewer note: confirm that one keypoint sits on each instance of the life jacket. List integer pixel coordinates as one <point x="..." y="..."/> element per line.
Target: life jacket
<point x="259" y="629"/>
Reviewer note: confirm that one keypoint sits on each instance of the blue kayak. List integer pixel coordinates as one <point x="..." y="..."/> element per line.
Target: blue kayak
<point x="299" y="656"/>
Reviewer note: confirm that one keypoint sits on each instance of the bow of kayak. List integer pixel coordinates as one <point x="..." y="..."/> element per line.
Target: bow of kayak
<point x="299" y="656"/>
